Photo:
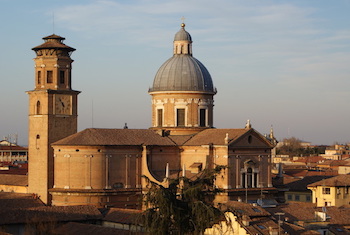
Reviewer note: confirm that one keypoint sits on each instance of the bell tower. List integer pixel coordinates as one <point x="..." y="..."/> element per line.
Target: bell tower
<point x="52" y="111"/>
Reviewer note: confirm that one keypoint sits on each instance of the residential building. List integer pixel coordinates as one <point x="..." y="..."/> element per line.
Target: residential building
<point x="333" y="191"/>
<point x="337" y="152"/>
<point x="11" y="152"/>
<point x="298" y="191"/>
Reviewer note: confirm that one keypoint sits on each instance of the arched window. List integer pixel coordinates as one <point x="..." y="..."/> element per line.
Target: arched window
<point x="249" y="175"/>
<point x="38" y="108"/>
<point x="249" y="178"/>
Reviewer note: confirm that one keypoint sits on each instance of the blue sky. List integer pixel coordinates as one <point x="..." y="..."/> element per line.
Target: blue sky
<point x="275" y="62"/>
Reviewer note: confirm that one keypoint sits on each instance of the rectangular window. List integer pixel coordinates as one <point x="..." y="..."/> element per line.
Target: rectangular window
<point x="289" y="197"/>
<point x="49" y="76"/>
<point x="308" y="198"/>
<point x="202" y="117"/>
<point x="297" y="198"/>
<point x="326" y="190"/>
<point x="62" y="77"/>
<point x="160" y="117"/>
<point x="39" y="77"/>
<point x="180" y="113"/>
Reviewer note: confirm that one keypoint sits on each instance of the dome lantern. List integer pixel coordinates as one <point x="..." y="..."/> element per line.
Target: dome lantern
<point x="182" y="42"/>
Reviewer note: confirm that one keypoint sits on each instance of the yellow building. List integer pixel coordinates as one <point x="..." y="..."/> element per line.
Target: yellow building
<point x="334" y="191"/>
<point x="103" y="167"/>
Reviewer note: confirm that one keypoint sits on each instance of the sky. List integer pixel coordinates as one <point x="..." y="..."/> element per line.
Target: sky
<point x="281" y="64"/>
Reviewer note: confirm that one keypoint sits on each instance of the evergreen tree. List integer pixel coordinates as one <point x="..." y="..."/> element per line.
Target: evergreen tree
<point x="184" y="207"/>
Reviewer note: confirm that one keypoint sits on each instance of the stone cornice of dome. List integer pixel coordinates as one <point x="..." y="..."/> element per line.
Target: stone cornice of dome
<point x="182" y="92"/>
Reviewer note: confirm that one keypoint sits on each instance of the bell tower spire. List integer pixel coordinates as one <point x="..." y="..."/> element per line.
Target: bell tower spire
<point x="53" y="64"/>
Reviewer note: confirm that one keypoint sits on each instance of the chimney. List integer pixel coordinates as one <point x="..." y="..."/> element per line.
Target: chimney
<point x="245" y="220"/>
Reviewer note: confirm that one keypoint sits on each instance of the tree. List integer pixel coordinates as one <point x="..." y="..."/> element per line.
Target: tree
<point x="184" y="207"/>
<point x="291" y="146"/>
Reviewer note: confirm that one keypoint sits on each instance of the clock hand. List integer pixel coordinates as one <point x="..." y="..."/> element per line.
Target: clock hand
<point x="61" y="102"/>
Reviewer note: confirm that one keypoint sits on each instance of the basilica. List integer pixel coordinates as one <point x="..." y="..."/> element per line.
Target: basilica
<point x="104" y="167"/>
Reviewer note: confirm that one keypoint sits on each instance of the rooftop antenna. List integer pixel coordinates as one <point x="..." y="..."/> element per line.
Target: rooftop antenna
<point x="53" y="22"/>
<point x="92" y="113"/>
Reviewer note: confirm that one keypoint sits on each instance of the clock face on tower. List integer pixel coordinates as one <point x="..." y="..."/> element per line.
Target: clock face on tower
<point x="63" y="104"/>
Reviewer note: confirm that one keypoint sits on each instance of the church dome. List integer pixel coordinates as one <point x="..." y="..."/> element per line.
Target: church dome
<point x="183" y="72"/>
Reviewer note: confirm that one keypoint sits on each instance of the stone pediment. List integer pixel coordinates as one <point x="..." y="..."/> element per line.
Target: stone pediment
<point x="250" y="139"/>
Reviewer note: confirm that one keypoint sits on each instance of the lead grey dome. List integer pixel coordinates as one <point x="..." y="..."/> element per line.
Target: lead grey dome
<point x="183" y="73"/>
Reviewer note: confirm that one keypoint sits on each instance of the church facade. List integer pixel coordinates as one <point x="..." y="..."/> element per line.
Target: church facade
<point x="104" y="167"/>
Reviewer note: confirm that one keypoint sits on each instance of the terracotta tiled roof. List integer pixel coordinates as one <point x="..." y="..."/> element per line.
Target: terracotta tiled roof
<point x="304" y="211"/>
<point x="53" y="43"/>
<point x="305" y="172"/>
<point x="14" y="201"/>
<point x="110" y="137"/>
<point x="13" y="148"/>
<point x="296" y="229"/>
<point x="311" y="159"/>
<point x="49" y="214"/>
<point x="340" y="180"/>
<point x="123" y="216"/>
<point x="180" y="139"/>
<point x="74" y="228"/>
<point x="9" y="179"/>
<point x="68" y="213"/>
<point x="331" y="163"/>
<point x="295" y="211"/>
<point x="262" y="226"/>
<point x="216" y="136"/>
<point x="242" y="208"/>
<point x="301" y="185"/>
<point x="138" y="137"/>
<point x="23" y="208"/>
<point x="338" y="215"/>
<point x="323" y="173"/>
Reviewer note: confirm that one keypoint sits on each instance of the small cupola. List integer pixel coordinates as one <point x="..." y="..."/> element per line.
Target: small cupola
<point x="182" y="42"/>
